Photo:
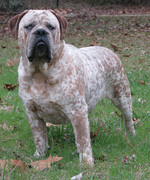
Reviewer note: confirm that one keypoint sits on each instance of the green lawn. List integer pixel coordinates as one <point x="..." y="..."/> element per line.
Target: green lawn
<point x="129" y="38"/>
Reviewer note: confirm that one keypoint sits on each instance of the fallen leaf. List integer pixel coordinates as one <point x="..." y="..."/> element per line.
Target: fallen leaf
<point x="2" y="149"/>
<point x="133" y="157"/>
<point x="118" y="129"/>
<point x="61" y="11"/>
<point x="3" y="46"/>
<point x="118" y="114"/>
<point x="17" y="47"/>
<point x="136" y="121"/>
<point x="126" y="160"/>
<point x="141" y="61"/>
<point x="3" y="126"/>
<point x="18" y="164"/>
<point x="49" y="124"/>
<point x="126" y="55"/>
<point x="126" y="48"/>
<point x="7" y="108"/>
<point x="130" y="159"/>
<point x="89" y="33"/>
<point x="12" y="62"/>
<point x="142" y="82"/>
<point x="139" y="99"/>
<point x="10" y="87"/>
<point x="37" y="165"/>
<point x="4" y="164"/>
<point x="94" y="43"/>
<point x="101" y="158"/>
<point x="93" y="135"/>
<point x="144" y="101"/>
<point x="143" y="52"/>
<point x="123" y="12"/>
<point x="114" y="47"/>
<point x="15" y="163"/>
<point x="43" y="164"/>
<point x="77" y="177"/>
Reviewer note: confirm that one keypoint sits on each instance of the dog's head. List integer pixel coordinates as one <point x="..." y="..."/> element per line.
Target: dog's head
<point x="40" y="33"/>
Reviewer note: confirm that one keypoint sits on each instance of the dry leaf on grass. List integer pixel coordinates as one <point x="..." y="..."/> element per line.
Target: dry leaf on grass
<point x="118" y="114"/>
<point x="141" y="61"/>
<point x="10" y="87"/>
<point x="18" y="164"/>
<point x="4" y="164"/>
<point x="3" y="46"/>
<point x="36" y="165"/>
<point x="43" y="164"/>
<point x="142" y="82"/>
<point x="77" y="177"/>
<point x="136" y="121"/>
<point x="15" y="163"/>
<point x="12" y="62"/>
<point x="7" y="108"/>
<point x="143" y="52"/>
<point x="126" y="159"/>
<point x="50" y="124"/>
<point x="129" y="160"/>
<point x="93" y="135"/>
<point x="5" y="127"/>
<point x="90" y="33"/>
<point x="102" y="157"/>
<point x="126" y="55"/>
<point x="115" y="48"/>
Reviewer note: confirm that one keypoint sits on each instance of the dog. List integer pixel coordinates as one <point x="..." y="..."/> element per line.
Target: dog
<point x="59" y="83"/>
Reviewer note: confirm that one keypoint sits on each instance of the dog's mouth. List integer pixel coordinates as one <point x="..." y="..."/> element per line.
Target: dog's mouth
<point x="40" y="49"/>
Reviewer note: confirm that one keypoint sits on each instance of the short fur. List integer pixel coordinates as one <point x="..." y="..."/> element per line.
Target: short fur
<point x="67" y="88"/>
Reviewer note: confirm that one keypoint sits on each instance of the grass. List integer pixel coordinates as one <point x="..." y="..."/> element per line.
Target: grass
<point x="110" y="147"/>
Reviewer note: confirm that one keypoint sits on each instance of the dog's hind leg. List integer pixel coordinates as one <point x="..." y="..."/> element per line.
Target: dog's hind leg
<point x="82" y="135"/>
<point x="122" y="100"/>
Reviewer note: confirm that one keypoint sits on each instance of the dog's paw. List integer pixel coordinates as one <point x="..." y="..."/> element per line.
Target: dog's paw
<point x="37" y="154"/>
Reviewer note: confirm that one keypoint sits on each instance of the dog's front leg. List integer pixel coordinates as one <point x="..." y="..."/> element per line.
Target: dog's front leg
<point x="82" y="135"/>
<point x="39" y="130"/>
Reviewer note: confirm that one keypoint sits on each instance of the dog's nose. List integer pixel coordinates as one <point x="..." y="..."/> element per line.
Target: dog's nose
<point x="41" y="32"/>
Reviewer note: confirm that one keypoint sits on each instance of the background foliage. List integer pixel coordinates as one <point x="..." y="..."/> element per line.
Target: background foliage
<point x="13" y="5"/>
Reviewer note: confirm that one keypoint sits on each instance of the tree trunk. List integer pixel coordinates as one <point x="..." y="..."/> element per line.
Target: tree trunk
<point x="57" y="3"/>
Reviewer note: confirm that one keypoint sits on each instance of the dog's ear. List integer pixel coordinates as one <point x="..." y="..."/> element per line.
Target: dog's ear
<point x="14" y="23"/>
<point x="63" y="24"/>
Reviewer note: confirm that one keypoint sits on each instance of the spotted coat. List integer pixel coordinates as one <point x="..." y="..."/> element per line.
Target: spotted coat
<point x="69" y="87"/>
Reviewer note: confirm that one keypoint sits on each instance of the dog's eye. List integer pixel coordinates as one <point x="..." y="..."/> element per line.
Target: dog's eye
<point x="50" y="27"/>
<point x="29" y="26"/>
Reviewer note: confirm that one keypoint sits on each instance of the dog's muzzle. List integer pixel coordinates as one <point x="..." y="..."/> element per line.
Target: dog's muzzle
<point x="40" y="48"/>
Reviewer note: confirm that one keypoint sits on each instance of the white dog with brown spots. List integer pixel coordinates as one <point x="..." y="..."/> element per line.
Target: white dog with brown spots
<point x="59" y="83"/>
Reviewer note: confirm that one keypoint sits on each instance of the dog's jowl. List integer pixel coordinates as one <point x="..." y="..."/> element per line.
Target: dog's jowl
<point x="59" y="83"/>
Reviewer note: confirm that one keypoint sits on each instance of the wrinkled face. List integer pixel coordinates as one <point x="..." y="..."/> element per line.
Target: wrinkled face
<point x="39" y="35"/>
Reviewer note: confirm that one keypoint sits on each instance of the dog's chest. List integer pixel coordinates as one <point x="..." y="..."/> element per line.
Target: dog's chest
<point x="38" y="85"/>
<point x="41" y="98"/>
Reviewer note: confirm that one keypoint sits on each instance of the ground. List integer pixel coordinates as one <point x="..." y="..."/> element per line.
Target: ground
<point x="125" y="30"/>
